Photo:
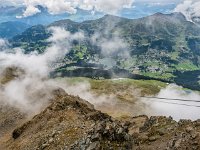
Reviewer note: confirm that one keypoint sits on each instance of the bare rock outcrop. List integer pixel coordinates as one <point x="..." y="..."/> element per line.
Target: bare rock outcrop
<point x="72" y="123"/>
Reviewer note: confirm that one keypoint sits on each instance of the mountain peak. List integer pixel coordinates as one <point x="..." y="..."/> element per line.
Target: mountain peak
<point x="158" y="14"/>
<point x="108" y="16"/>
<point x="62" y="22"/>
<point x="176" y="16"/>
<point x="114" y="18"/>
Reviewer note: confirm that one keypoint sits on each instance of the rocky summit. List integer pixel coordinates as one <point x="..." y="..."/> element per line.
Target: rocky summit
<point x="99" y="75"/>
<point x="70" y="122"/>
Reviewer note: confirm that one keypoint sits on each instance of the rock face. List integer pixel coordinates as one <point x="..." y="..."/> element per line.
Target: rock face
<point x="72" y="123"/>
<point x="165" y="133"/>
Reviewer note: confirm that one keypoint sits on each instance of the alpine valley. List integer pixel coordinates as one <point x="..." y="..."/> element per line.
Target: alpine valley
<point x="163" y="47"/>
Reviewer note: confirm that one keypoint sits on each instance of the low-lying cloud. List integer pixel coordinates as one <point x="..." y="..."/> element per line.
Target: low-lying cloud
<point x="176" y="109"/>
<point x="107" y="103"/>
<point x="111" y="46"/>
<point x="25" y="77"/>
<point x="3" y="44"/>
<point x="29" y="88"/>
<point x="190" y="8"/>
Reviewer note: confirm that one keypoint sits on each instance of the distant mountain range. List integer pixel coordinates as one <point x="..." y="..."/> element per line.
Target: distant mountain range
<point x="12" y="28"/>
<point x="10" y="25"/>
<point x="161" y="46"/>
<point x="10" y="14"/>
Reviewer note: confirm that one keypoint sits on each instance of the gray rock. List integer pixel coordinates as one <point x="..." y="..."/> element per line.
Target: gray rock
<point x="153" y="138"/>
<point x="177" y="143"/>
<point x="94" y="146"/>
<point x="120" y="131"/>
<point x="96" y="137"/>
<point x="189" y="129"/>
<point x="50" y="140"/>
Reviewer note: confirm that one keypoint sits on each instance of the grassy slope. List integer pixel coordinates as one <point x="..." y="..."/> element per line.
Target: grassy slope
<point x="118" y="98"/>
<point x="125" y="86"/>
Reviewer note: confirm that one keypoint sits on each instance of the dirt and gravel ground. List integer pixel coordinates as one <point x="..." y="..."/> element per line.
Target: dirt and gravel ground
<point x="72" y="123"/>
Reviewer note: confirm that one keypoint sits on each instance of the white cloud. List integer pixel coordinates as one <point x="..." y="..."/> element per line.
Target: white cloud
<point x="30" y="11"/>
<point x="58" y="6"/>
<point x="190" y="8"/>
<point x="70" y="6"/>
<point x="158" y="1"/>
<point x="107" y="6"/>
<point x="176" y="109"/>
<point x="111" y="46"/>
<point x="3" y="44"/>
<point x="32" y="88"/>
<point x="57" y="37"/>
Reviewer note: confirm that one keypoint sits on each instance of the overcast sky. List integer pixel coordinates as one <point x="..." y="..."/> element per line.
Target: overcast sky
<point x="159" y="1"/>
<point x="20" y="2"/>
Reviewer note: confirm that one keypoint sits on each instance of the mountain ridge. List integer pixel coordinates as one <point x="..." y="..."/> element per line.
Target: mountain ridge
<point x="12" y="28"/>
<point x="70" y="122"/>
<point x="161" y="46"/>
